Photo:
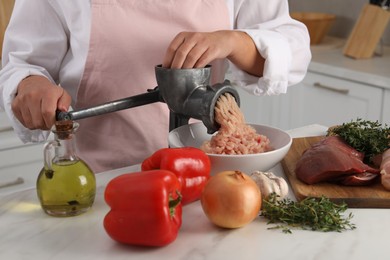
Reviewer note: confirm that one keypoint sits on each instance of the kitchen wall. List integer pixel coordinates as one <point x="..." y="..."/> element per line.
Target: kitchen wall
<point x="347" y="12"/>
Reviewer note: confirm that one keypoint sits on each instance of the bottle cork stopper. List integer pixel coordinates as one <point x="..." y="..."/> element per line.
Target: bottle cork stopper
<point x="63" y="128"/>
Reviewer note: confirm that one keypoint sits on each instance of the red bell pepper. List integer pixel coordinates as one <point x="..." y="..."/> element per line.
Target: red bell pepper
<point x="191" y="166"/>
<point x="145" y="208"/>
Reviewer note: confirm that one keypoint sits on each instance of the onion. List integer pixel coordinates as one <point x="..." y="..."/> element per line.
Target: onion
<point x="231" y="199"/>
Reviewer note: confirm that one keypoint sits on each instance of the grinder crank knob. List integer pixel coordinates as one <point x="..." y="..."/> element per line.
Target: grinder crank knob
<point x="62" y="116"/>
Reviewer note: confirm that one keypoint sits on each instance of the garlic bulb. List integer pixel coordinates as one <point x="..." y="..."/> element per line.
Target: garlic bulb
<point x="269" y="183"/>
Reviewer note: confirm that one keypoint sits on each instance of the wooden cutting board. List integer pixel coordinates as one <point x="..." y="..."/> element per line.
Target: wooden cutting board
<point x="372" y="196"/>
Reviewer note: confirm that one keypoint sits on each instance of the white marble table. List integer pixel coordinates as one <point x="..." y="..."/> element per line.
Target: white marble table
<point x="27" y="233"/>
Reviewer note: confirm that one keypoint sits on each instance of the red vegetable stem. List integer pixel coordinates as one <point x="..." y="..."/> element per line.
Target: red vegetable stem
<point x="173" y="203"/>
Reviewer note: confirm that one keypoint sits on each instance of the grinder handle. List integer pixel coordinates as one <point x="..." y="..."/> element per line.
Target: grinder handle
<point x="151" y="96"/>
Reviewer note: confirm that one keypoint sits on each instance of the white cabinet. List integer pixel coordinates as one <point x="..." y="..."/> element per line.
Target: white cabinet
<point x="23" y="162"/>
<point x="386" y="107"/>
<point x="329" y="101"/>
<point x="318" y="99"/>
<point x="261" y="110"/>
<point x="335" y="90"/>
<point x="4" y="123"/>
<point x="17" y="160"/>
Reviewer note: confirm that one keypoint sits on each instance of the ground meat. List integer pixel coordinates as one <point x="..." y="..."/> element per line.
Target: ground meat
<point x="234" y="136"/>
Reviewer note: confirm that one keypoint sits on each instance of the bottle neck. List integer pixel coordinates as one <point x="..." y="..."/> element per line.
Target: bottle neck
<point x="66" y="149"/>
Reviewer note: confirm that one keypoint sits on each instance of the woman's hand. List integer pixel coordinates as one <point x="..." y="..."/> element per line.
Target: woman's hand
<point x="36" y="102"/>
<point x="196" y="50"/>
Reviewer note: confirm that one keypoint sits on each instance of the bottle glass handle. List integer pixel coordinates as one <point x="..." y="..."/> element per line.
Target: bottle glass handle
<point x="48" y="154"/>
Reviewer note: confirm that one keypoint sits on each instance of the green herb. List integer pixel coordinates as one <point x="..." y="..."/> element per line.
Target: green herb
<point x="368" y="137"/>
<point x="317" y="214"/>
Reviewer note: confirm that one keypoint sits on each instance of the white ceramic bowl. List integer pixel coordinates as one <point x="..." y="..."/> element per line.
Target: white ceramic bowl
<point x="195" y="134"/>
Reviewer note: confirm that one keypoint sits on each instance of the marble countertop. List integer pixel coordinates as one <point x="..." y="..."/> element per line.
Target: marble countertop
<point x="328" y="58"/>
<point x="28" y="233"/>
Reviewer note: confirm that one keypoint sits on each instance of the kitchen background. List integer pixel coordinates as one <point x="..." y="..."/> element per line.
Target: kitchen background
<point x="335" y="90"/>
<point x="337" y="87"/>
<point x="346" y="11"/>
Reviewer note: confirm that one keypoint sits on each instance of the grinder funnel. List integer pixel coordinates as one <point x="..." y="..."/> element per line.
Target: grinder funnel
<point x="188" y="94"/>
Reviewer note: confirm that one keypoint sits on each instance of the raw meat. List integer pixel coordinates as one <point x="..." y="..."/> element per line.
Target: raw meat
<point x="385" y="169"/>
<point x="234" y="136"/>
<point x="385" y="164"/>
<point x="333" y="160"/>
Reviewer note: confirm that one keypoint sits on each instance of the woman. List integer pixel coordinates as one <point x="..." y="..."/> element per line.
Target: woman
<point x="82" y="53"/>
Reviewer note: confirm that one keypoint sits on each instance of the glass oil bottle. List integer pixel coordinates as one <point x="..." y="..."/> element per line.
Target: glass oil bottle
<point x="66" y="185"/>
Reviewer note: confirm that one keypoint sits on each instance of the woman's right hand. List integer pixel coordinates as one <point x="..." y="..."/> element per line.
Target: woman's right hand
<point x="37" y="101"/>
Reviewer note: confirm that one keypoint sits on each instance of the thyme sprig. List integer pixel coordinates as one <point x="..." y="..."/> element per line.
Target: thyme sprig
<point x="317" y="214"/>
<point x="369" y="137"/>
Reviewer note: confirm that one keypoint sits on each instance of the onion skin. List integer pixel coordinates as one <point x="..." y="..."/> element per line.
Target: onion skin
<point x="231" y="199"/>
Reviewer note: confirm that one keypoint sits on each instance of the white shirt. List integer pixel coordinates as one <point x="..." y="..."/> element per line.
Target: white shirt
<point x="51" y="38"/>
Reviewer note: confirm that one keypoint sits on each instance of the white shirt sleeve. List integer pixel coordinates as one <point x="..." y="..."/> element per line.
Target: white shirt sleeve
<point x="282" y="41"/>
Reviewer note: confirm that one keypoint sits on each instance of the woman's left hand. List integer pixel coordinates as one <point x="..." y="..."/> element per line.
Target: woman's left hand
<point x="197" y="49"/>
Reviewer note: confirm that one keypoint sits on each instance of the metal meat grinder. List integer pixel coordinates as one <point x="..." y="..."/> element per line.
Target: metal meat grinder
<point x="186" y="92"/>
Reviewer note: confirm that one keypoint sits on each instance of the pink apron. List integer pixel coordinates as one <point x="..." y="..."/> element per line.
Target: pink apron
<point x="128" y="38"/>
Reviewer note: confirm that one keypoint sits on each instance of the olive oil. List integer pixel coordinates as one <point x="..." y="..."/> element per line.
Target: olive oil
<point x="66" y="190"/>
<point x="66" y="186"/>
